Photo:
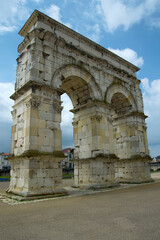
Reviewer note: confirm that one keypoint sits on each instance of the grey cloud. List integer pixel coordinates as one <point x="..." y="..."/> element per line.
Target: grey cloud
<point x="5" y="136"/>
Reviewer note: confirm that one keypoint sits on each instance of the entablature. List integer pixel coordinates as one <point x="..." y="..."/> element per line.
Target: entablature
<point x="56" y="27"/>
<point x="59" y="45"/>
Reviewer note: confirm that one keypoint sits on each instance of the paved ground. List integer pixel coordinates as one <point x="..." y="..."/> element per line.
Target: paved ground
<point x="124" y="214"/>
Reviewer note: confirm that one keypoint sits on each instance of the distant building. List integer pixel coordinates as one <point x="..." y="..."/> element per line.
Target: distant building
<point x="4" y="163"/>
<point x="66" y="163"/>
<point x="158" y="158"/>
<point x="154" y="160"/>
<point x="155" y="164"/>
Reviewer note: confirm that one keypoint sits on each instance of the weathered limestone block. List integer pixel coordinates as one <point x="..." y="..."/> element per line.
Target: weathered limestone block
<point x="36" y="175"/>
<point x="37" y="114"/>
<point x="133" y="170"/>
<point x="94" y="173"/>
<point x="93" y="133"/>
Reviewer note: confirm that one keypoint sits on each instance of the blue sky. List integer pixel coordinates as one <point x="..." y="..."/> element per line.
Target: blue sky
<point x="130" y="28"/>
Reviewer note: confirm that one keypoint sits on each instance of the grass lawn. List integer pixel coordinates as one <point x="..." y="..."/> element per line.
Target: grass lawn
<point x="4" y="178"/>
<point x="67" y="176"/>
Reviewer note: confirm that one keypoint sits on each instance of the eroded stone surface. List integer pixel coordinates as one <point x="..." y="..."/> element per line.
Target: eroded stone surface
<point x="35" y="175"/>
<point x="94" y="173"/>
<point x="107" y="100"/>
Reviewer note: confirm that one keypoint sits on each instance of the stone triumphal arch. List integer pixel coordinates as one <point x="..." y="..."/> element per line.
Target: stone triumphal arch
<point x="109" y="123"/>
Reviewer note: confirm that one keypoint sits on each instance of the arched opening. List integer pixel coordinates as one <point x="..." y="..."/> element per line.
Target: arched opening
<point x="77" y="94"/>
<point x="67" y="138"/>
<point x="120" y="105"/>
<point x="77" y="89"/>
<point x="71" y="78"/>
<point x="123" y="131"/>
<point x="66" y="122"/>
<point x="120" y="97"/>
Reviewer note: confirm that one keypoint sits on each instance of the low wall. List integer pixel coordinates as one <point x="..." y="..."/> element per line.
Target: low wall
<point x="154" y="166"/>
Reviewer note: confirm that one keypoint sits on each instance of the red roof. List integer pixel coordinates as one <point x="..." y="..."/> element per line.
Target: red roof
<point x="5" y="154"/>
<point x="66" y="150"/>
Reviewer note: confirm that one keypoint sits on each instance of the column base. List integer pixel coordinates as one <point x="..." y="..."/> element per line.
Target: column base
<point x="36" y="176"/>
<point x="133" y="171"/>
<point x="95" y="173"/>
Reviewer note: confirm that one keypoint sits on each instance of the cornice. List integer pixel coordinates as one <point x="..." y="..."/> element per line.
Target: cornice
<point x="94" y="103"/>
<point x="30" y="22"/>
<point x="110" y="68"/>
<point x="131" y="114"/>
<point x="33" y="85"/>
<point x="38" y="16"/>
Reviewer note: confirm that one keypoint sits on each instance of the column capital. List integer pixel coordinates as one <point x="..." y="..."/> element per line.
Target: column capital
<point x="34" y="103"/>
<point x="96" y="117"/>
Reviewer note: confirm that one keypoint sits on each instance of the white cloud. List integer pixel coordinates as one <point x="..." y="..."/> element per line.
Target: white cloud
<point x="4" y="29"/>
<point x="66" y="114"/>
<point x="66" y="125"/>
<point x="155" y="22"/>
<point x="122" y="13"/>
<point x="11" y="12"/>
<point x="91" y="31"/>
<point x="6" y="103"/>
<point x="151" y="97"/>
<point x="95" y="36"/>
<point x="128" y="54"/>
<point x="54" y="12"/>
<point x="152" y="89"/>
<point x="38" y="1"/>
